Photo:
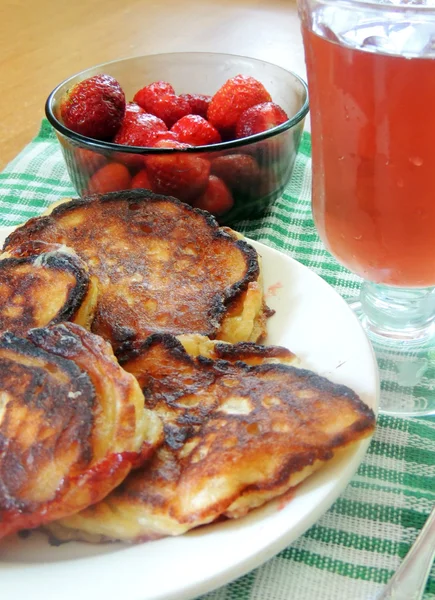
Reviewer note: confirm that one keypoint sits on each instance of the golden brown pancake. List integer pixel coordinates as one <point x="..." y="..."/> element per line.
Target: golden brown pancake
<point x="235" y="436"/>
<point x="72" y="424"/>
<point x="43" y="284"/>
<point x="247" y="352"/>
<point x="161" y="266"/>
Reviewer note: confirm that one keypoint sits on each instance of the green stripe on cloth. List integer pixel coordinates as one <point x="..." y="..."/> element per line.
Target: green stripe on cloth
<point x="358" y="544"/>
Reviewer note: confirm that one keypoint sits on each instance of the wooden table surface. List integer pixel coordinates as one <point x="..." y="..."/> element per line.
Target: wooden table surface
<point x="43" y="42"/>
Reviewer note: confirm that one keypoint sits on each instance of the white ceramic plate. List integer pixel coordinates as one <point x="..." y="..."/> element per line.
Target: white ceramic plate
<point x="312" y="320"/>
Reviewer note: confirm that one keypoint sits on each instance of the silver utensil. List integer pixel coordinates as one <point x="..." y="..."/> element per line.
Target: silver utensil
<point x="410" y="579"/>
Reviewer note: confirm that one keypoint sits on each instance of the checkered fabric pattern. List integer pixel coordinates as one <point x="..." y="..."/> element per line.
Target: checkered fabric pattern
<point x="359" y="543"/>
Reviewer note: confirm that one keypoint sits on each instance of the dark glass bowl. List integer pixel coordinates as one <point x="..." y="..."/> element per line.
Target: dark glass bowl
<point x="270" y="155"/>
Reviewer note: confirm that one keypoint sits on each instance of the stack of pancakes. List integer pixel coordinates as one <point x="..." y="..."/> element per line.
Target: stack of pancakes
<point x="135" y="399"/>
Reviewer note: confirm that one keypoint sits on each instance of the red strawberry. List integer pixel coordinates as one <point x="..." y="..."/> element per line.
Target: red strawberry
<point x="260" y="118"/>
<point x="217" y="198"/>
<point x="88" y="161"/>
<point x="240" y="172"/>
<point x="132" y="109"/>
<point x="196" y="131"/>
<point x="147" y="96"/>
<point x="139" y="130"/>
<point x="166" y="135"/>
<point x="160" y="100"/>
<point x="182" y="175"/>
<point x="94" y="107"/>
<point x="171" y="109"/>
<point x="141" y="180"/>
<point x="133" y="161"/>
<point x="199" y="103"/>
<point x="110" y="178"/>
<point x="232" y="99"/>
<point x="83" y="163"/>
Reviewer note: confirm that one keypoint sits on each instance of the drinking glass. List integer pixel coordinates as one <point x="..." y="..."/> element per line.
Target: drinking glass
<point x="371" y="79"/>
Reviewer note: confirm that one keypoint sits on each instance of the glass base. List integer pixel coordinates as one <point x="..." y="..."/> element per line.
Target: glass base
<point x="401" y="327"/>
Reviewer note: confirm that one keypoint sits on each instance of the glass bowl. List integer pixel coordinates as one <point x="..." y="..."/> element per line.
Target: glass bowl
<point x="255" y="181"/>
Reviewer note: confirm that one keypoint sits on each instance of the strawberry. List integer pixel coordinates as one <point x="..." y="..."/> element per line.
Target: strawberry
<point x="88" y="161"/>
<point x="240" y="172"/>
<point x="160" y="100"/>
<point x="83" y="163"/>
<point x="232" y="99"/>
<point x="199" y="103"/>
<point x="147" y="96"/>
<point x="139" y="130"/>
<point x="141" y="180"/>
<point x="216" y="199"/>
<point x="171" y="109"/>
<point x="132" y="109"/>
<point x="260" y="118"/>
<point x="94" y="107"/>
<point x="166" y="135"/>
<point x="182" y="175"/>
<point x="110" y="178"/>
<point x="196" y="131"/>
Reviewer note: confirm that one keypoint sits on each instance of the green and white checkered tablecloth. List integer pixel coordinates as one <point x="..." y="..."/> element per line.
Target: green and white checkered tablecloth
<point x="360" y="542"/>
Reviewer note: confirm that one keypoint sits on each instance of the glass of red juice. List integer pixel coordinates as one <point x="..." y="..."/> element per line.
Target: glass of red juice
<point x="371" y="79"/>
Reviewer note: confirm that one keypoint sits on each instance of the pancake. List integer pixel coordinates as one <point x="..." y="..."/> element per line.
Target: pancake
<point x="161" y="266"/>
<point x="247" y="352"/>
<point x="72" y="424"/>
<point x="43" y="284"/>
<point x="236" y="436"/>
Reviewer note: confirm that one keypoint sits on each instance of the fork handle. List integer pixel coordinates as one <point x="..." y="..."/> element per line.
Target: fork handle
<point x="410" y="579"/>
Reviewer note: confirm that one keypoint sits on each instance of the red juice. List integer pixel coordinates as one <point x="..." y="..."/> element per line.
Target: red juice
<point x="373" y="137"/>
